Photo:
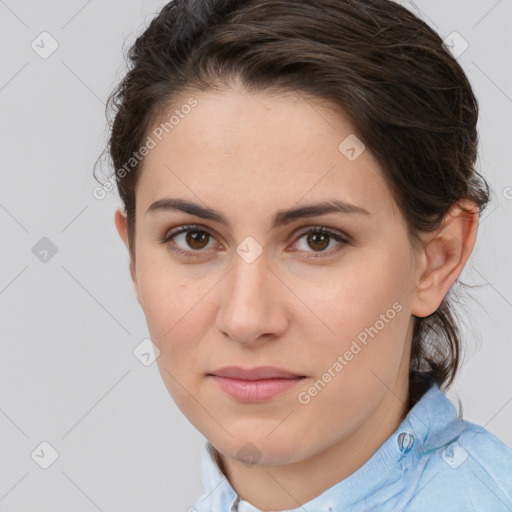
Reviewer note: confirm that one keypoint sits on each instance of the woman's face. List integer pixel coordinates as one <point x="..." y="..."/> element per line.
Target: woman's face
<point x="260" y="288"/>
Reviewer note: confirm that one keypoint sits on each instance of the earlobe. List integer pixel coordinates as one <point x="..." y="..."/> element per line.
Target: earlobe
<point x="121" y="223"/>
<point x="445" y="254"/>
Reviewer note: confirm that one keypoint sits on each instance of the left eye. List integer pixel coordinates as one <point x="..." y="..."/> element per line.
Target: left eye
<point x="198" y="237"/>
<point x="319" y="239"/>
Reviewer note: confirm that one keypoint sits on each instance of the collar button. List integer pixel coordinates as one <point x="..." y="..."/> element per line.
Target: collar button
<point x="405" y="442"/>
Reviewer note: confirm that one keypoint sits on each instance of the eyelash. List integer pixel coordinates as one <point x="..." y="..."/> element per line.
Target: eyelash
<point x="201" y="229"/>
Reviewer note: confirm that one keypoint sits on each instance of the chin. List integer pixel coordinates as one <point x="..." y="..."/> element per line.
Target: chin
<point x="260" y="450"/>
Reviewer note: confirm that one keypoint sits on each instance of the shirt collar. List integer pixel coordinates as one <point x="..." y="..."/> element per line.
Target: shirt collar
<point x="431" y="423"/>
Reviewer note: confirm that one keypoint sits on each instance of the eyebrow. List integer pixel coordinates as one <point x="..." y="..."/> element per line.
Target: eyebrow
<point x="281" y="217"/>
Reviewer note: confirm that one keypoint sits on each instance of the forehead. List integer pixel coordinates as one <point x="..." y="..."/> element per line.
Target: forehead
<point x="255" y="149"/>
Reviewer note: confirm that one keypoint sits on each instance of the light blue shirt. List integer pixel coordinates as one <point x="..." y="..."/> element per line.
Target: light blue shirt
<point x="433" y="462"/>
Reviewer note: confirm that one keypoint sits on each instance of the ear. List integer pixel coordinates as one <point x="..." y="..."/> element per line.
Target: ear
<point x="443" y="257"/>
<point x="122" y="228"/>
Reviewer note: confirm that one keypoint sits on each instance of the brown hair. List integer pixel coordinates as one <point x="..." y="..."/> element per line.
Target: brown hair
<point x="407" y="98"/>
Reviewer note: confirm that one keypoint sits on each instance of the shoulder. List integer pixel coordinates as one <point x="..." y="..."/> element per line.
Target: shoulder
<point x="470" y="472"/>
<point x="491" y="459"/>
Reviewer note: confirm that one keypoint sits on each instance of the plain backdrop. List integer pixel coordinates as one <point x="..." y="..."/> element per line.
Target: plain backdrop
<point x="69" y="320"/>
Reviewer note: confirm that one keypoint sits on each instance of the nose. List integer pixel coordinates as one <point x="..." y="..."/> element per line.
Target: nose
<point x="254" y="306"/>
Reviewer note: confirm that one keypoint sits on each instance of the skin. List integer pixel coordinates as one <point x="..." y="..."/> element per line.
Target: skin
<point x="299" y="305"/>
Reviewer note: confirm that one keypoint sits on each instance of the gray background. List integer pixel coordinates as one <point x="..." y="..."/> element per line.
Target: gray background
<point x="69" y="325"/>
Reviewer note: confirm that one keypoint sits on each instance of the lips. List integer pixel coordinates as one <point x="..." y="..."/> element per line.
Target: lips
<point x="254" y="384"/>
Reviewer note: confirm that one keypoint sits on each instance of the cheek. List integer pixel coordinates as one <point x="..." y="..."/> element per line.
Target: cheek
<point x="355" y="365"/>
<point x="359" y="312"/>
<point x="169" y="297"/>
<point x="176" y="318"/>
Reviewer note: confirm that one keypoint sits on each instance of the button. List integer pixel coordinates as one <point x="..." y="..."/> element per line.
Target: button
<point x="405" y="442"/>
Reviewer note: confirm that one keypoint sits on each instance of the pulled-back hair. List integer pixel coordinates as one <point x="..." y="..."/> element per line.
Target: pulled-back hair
<point x="385" y="69"/>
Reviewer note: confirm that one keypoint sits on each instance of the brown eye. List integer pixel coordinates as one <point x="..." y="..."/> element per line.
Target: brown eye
<point x="196" y="239"/>
<point x="317" y="240"/>
<point x="188" y="240"/>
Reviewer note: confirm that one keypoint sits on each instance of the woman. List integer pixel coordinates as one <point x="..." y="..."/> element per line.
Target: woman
<point x="299" y="198"/>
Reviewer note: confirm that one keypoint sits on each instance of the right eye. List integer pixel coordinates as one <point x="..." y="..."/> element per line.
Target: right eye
<point x="193" y="237"/>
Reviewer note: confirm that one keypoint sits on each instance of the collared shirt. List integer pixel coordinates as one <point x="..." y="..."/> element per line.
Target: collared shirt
<point x="433" y="462"/>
